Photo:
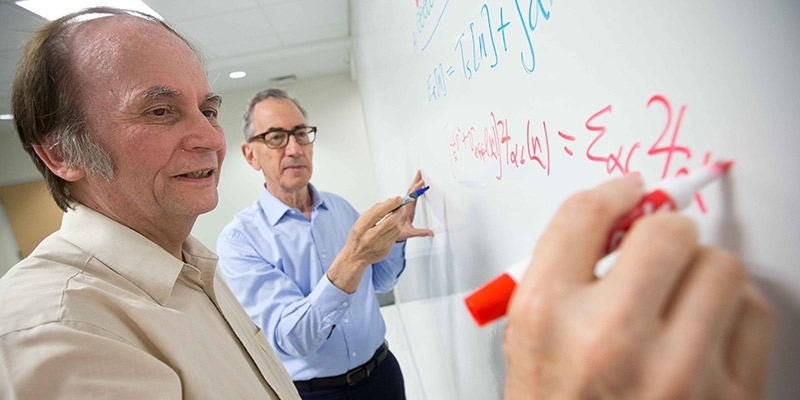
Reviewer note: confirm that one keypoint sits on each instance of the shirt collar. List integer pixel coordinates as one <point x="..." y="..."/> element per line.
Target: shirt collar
<point x="275" y="209"/>
<point x="134" y="257"/>
<point x="199" y="256"/>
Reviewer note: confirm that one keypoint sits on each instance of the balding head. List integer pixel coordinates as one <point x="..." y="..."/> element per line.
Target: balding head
<point x="48" y="96"/>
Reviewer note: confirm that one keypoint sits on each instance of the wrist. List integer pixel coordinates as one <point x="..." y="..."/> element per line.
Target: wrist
<point x="346" y="271"/>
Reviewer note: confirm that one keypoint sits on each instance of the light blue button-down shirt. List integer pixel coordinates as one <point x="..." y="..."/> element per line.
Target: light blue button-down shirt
<point x="274" y="259"/>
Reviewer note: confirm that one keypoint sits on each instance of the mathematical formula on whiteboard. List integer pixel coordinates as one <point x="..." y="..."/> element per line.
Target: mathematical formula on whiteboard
<point x="502" y="144"/>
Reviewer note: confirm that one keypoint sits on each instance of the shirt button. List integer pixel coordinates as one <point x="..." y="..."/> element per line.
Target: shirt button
<point x="346" y="321"/>
<point x="354" y="354"/>
<point x="345" y="304"/>
<point x="324" y="256"/>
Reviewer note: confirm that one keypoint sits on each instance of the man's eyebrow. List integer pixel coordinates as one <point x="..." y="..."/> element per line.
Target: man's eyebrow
<point x="279" y="129"/>
<point x="213" y="98"/>
<point x="163" y="91"/>
<point x="159" y="91"/>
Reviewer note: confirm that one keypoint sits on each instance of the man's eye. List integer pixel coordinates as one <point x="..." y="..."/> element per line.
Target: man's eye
<point x="211" y="113"/>
<point x="277" y="137"/>
<point x="161" y="111"/>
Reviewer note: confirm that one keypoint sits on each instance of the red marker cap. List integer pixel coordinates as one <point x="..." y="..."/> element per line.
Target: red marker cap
<point x="490" y="301"/>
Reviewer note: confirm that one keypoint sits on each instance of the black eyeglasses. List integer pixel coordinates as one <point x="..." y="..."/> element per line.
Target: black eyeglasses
<point x="278" y="138"/>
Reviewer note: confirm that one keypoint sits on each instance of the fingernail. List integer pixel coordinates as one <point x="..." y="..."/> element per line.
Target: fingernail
<point x="634" y="178"/>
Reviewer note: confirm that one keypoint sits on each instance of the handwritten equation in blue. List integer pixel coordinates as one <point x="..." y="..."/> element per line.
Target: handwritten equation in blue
<point x="483" y="43"/>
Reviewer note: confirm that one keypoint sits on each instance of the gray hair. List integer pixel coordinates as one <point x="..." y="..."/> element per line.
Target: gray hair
<point x="247" y="125"/>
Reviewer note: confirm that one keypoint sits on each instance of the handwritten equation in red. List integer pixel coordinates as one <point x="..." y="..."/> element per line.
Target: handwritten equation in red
<point x="496" y="147"/>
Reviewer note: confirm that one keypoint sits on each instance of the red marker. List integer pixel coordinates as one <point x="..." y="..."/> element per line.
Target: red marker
<point x="490" y="301"/>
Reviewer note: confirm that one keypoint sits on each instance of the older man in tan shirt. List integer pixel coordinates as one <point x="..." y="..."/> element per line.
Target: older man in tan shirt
<point x="117" y="113"/>
<point x="100" y="311"/>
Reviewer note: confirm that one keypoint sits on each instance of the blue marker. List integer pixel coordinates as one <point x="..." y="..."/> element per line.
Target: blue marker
<point x="406" y="199"/>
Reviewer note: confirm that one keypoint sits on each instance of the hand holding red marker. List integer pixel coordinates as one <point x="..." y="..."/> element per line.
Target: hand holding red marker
<point x="490" y="301"/>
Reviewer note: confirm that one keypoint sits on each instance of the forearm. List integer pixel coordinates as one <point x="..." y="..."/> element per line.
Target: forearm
<point x="347" y="270"/>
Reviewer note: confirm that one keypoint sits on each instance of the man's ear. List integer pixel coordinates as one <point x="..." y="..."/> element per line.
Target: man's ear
<point x="250" y="156"/>
<point x="56" y="164"/>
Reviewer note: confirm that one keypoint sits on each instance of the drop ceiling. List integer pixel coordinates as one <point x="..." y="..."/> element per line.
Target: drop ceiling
<point x="269" y="39"/>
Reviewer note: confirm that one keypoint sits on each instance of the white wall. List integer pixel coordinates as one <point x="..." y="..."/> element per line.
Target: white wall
<point x="342" y="160"/>
<point x="15" y="164"/>
<point x="9" y="252"/>
<point x="15" y="167"/>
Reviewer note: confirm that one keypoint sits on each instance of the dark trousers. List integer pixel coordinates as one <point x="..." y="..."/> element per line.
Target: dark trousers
<point x="385" y="383"/>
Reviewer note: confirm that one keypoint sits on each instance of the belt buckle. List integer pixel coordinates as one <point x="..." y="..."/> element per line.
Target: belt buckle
<point x="352" y="378"/>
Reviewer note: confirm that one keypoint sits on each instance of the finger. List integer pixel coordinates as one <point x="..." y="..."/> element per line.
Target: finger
<point x="575" y="237"/>
<point x="388" y="229"/>
<point x="704" y="304"/>
<point x="655" y="254"/>
<point x="750" y="342"/>
<point x="411" y="209"/>
<point x="414" y="232"/>
<point x="378" y="212"/>
<point x="417" y="182"/>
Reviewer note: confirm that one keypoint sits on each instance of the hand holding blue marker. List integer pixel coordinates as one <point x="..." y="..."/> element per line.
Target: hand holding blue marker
<point x="406" y="199"/>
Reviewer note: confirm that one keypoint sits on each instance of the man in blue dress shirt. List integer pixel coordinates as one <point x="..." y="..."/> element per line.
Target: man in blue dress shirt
<point x="306" y="267"/>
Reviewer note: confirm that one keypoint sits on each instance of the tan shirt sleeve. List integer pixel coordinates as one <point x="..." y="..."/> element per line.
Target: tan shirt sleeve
<point x="59" y="361"/>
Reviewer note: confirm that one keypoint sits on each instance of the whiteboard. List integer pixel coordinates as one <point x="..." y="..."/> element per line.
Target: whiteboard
<point x="510" y="106"/>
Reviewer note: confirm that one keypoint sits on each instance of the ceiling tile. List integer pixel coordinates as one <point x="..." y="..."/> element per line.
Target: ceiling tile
<point x="243" y="25"/>
<point x="267" y="38"/>
<point x="16" y="26"/>
<point x="321" y="32"/>
<point x="176" y="11"/>
<point x="241" y="46"/>
<point x="309" y="20"/>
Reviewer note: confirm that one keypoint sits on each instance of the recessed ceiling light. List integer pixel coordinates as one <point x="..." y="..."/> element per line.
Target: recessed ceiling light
<point x="54" y="9"/>
<point x="6" y="117"/>
<point x="237" y="74"/>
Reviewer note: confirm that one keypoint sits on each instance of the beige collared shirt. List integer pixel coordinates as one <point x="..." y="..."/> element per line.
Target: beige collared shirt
<point x="99" y="311"/>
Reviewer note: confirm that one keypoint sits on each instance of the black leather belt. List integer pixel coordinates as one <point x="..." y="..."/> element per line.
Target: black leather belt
<point x="349" y="378"/>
